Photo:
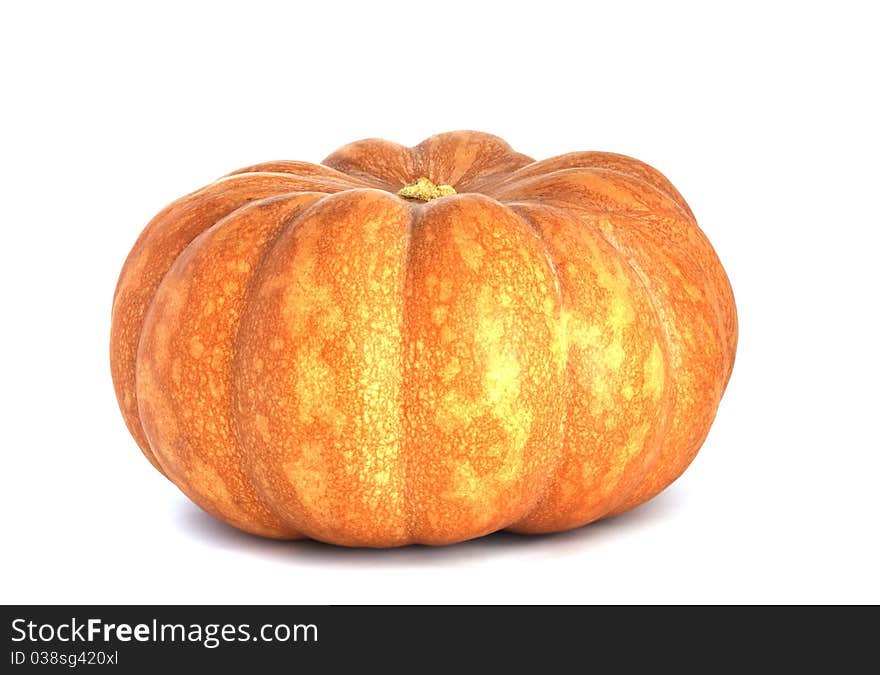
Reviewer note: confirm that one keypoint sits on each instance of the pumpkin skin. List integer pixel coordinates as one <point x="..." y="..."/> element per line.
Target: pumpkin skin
<point x="304" y="353"/>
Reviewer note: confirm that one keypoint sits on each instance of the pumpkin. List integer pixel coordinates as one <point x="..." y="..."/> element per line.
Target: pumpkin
<point x="423" y="345"/>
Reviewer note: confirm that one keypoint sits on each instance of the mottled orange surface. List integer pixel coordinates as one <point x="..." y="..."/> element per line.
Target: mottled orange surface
<point x="307" y="354"/>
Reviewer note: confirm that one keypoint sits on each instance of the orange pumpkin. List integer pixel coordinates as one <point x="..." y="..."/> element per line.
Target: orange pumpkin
<point x="423" y="344"/>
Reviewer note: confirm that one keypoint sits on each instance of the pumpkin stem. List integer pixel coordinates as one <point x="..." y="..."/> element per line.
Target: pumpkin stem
<point x="424" y="190"/>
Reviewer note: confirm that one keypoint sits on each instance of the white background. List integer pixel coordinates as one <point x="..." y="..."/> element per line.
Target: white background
<point x="765" y="116"/>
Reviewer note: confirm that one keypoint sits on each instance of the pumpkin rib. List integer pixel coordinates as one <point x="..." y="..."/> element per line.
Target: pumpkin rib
<point x="715" y="278"/>
<point x="713" y="275"/>
<point x="306" y="170"/>
<point x="164" y="237"/>
<point x="375" y="159"/>
<point x="290" y="533"/>
<point x="645" y="173"/>
<point x="725" y="307"/>
<point x="681" y="456"/>
<point x="189" y="309"/>
<point x="319" y="456"/>
<point x="311" y="183"/>
<point x="289" y="223"/>
<point x="669" y="379"/>
<point x="462" y="157"/>
<point x="557" y="286"/>
<point x="248" y="454"/>
<point x="485" y="390"/>
<point x="713" y="289"/>
<point x="553" y="184"/>
<point x="657" y="429"/>
<point x="609" y="161"/>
